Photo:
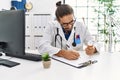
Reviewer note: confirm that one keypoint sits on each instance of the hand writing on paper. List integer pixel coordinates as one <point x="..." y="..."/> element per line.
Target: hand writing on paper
<point x="90" y="50"/>
<point x="68" y="54"/>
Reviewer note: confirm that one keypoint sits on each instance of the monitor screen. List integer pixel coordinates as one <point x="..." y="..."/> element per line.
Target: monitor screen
<point x="12" y="35"/>
<point x="12" y="31"/>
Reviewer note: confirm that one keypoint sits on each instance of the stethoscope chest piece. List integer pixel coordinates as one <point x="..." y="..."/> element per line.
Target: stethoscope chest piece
<point x="73" y="44"/>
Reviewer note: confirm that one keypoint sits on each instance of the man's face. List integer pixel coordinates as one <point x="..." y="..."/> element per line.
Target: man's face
<point x="67" y="22"/>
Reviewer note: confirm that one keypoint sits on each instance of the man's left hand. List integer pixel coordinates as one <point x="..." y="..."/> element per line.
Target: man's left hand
<point x="90" y="50"/>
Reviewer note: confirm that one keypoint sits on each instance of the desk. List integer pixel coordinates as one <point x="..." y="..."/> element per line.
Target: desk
<point x="107" y="68"/>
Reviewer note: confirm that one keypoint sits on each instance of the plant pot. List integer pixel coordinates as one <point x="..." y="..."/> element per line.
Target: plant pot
<point x="46" y="64"/>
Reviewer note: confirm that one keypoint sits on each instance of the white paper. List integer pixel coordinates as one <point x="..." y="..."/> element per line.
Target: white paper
<point x="76" y="63"/>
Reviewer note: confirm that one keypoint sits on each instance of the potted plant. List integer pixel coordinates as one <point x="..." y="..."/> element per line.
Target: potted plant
<point x="106" y="29"/>
<point x="46" y="60"/>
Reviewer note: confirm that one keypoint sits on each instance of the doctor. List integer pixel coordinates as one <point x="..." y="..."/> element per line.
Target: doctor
<point x="65" y="36"/>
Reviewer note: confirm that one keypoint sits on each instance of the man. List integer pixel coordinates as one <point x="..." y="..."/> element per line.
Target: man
<point x="65" y="36"/>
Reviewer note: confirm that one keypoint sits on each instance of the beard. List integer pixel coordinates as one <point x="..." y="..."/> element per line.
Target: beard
<point x="67" y="29"/>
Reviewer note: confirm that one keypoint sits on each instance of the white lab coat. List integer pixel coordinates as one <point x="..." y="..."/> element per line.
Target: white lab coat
<point x="47" y="43"/>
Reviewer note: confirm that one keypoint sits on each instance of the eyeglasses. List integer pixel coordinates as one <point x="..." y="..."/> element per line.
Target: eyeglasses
<point x="69" y="23"/>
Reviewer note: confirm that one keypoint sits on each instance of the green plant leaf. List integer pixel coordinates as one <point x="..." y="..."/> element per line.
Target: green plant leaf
<point x="45" y="57"/>
<point x="105" y="1"/>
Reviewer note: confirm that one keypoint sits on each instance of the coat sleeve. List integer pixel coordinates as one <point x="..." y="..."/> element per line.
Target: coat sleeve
<point x="88" y="38"/>
<point x="46" y="41"/>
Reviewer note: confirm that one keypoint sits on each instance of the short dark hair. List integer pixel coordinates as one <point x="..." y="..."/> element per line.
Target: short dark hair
<point x="62" y="10"/>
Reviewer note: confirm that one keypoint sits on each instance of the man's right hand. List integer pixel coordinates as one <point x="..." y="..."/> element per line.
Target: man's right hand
<point x="68" y="54"/>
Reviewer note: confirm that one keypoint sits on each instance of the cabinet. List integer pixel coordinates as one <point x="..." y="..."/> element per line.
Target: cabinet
<point x="34" y="29"/>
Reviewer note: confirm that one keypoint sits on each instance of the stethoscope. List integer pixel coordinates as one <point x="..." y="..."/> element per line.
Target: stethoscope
<point x="58" y="35"/>
<point x="74" y="43"/>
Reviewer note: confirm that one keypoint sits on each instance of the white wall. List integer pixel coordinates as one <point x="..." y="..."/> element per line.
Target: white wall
<point x="36" y="19"/>
<point x="44" y="6"/>
<point x="39" y="6"/>
<point x="5" y="4"/>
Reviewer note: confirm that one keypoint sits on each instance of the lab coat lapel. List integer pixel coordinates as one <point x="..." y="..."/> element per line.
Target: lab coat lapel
<point x="70" y="40"/>
<point x="61" y="32"/>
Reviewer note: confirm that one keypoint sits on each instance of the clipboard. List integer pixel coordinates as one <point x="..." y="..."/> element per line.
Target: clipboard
<point x="83" y="61"/>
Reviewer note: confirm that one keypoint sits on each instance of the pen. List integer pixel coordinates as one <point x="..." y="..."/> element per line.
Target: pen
<point x="87" y="63"/>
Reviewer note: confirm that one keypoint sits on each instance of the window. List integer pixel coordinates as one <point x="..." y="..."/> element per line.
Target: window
<point x="85" y="11"/>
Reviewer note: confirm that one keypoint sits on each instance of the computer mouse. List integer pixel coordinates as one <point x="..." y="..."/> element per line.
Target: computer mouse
<point x="0" y="54"/>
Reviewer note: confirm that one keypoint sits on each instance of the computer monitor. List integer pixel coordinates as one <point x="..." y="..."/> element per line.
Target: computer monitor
<point x="12" y="31"/>
<point x="12" y="34"/>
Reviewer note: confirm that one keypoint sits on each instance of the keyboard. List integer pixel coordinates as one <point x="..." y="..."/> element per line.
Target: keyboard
<point x="27" y="56"/>
<point x="31" y="56"/>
